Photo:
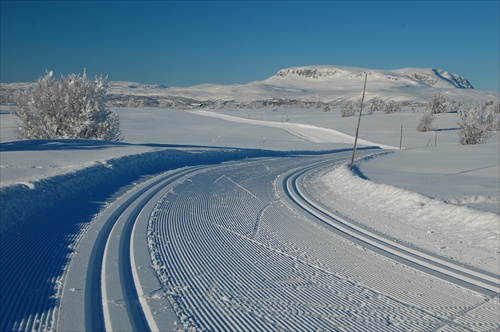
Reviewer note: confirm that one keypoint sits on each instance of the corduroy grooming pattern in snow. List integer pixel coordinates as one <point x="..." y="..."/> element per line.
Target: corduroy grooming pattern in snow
<point x="232" y="255"/>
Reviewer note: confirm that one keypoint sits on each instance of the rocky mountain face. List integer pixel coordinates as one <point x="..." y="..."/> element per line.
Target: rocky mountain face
<point x="431" y="77"/>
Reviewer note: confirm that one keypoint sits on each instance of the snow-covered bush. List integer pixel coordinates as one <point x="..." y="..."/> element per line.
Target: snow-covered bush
<point x="437" y="103"/>
<point x="376" y="104"/>
<point x="347" y="109"/>
<point x="70" y="107"/>
<point x="477" y="124"/>
<point x="453" y="105"/>
<point x="496" y="109"/>
<point x="392" y="106"/>
<point x="426" y="121"/>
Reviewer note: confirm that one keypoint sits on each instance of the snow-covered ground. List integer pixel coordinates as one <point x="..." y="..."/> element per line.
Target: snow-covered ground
<point x="434" y="163"/>
<point x="434" y="194"/>
<point x="448" y="193"/>
<point x="324" y="83"/>
<point x="296" y="86"/>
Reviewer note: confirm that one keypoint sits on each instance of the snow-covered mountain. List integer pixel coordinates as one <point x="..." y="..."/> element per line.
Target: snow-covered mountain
<point x="414" y="76"/>
<point x="323" y="84"/>
<point x="303" y="86"/>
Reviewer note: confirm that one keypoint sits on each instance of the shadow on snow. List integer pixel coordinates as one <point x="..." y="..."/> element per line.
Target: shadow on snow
<point x="39" y="226"/>
<point x="79" y="144"/>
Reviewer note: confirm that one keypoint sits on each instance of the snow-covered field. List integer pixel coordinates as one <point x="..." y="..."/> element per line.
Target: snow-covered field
<point x="220" y="269"/>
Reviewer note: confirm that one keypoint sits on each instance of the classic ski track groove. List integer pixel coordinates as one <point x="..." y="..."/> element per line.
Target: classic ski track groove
<point x="123" y="221"/>
<point x="222" y="275"/>
<point x="473" y="279"/>
<point x="223" y="259"/>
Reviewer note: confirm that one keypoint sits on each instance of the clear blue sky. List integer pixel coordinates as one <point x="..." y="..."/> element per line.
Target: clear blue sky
<point x="187" y="42"/>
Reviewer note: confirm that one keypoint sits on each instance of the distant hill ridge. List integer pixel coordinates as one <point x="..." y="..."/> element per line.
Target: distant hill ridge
<point x="433" y="77"/>
<point x="307" y="86"/>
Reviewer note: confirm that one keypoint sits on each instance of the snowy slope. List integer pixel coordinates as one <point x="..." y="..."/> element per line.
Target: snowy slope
<point x="335" y="74"/>
<point x="81" y="179"/>
<point x="435" y="194"/>
<point x="327" y="84"/>
<point x="334" y="83"/>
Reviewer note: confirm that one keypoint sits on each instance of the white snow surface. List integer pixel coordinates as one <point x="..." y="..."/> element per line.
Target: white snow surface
<point x="449" y="172"/>
<point x="327" y="84"/>
<point x="455" y="231"/>
<point x="323" y="83"/>
<point x="434" y="193"/>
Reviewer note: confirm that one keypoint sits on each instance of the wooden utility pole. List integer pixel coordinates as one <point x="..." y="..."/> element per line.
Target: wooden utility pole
<point x="359" y="121"/>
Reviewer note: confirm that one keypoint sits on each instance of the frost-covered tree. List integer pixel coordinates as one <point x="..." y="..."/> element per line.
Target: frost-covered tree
<point x="477" y="124"/>
<point x="70" y="107"/>
<point x="496" y="110"/>
<point x="452" y="105"/>
<point x="376" y="104"/>
<point x="496" y="107"/>
<point x="426" y="121"/>
<point x="347" y="109"/>
<point x="392" y="106"/>
<point x="437" y="103"/>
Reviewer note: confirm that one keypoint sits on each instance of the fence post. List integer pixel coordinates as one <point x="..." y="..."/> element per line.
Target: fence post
<point x="401" y="138"/>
